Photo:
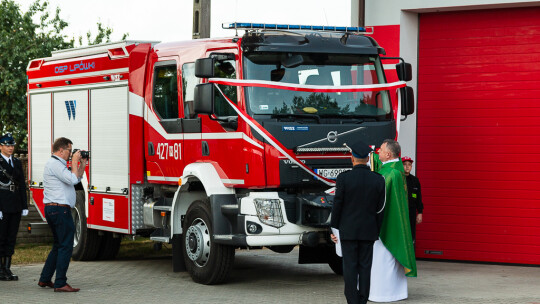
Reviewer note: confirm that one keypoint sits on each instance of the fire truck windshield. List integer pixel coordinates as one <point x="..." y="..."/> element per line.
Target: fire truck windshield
<point x="316" y="69"/>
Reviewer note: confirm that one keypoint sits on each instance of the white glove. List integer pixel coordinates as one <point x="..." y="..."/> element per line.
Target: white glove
<point x="1" y="215"/>
<point x="25" y="212"/>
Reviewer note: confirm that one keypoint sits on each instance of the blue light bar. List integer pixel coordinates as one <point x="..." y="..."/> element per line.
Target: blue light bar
<point x="267" y="26"/>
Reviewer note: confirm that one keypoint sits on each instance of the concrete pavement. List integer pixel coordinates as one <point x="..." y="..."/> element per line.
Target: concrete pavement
<point x="263" y="276"/>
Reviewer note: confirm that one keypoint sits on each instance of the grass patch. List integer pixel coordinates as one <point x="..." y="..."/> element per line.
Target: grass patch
<point x="140" y="248"/>
<point x="30" y="253"/>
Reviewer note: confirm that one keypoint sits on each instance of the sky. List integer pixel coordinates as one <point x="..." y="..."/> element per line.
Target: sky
<point x="171" y="20"/>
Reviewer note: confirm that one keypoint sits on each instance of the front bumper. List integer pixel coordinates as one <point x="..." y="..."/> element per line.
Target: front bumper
<point x="300" y="220"/>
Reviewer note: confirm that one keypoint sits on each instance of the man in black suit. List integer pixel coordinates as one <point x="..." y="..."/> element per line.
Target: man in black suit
<point x="358" y="212"/>
<point x="13" y="204"/>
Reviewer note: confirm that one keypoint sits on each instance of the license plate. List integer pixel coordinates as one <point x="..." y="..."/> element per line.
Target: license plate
<point x="331" y="173"/>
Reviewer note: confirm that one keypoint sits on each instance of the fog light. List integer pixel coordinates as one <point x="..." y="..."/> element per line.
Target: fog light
<point x="252" y="228"/>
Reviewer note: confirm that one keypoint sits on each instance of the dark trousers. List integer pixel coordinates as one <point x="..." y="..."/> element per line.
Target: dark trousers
<point x="9" y="226"/>
<point x="412" y="219"/>
<point x="61" y="223"/>
<point x="357" y="259"/>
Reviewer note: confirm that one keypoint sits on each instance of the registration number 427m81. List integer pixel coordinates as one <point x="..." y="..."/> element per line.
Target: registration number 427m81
<point x="331" y="173"/>
<point x="166" y="151"/>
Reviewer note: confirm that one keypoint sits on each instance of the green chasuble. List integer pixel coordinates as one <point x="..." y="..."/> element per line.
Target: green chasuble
<point x="396" y="228"/>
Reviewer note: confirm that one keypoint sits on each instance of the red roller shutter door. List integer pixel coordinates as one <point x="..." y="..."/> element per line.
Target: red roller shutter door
<point x="478" y="136"/>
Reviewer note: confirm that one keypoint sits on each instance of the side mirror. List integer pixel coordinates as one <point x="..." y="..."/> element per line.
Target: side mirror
<point x="204" y="99"/>
<point x="407" y="100"/>
<point x="204" y="67"/>
<point x="404" y="71"/>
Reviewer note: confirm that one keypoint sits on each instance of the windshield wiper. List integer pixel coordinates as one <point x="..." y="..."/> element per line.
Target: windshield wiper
<point x="301" y="115"/>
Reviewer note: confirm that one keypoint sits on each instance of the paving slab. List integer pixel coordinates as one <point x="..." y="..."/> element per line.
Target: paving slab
<point x="262" y="276"/>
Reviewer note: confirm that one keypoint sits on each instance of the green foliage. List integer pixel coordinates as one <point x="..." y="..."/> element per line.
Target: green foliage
<point x="21" y="39"/>
<point x="103" y="35"/>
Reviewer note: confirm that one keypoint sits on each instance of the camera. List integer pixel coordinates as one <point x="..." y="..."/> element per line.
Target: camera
<point x="84" y="154"/>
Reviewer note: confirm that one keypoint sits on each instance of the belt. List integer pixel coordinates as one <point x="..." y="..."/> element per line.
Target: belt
<point x="11" y="188"/>
<point x="59" y="205"/>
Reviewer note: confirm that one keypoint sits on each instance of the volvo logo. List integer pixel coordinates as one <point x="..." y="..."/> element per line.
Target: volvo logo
<point x="332" y="136"/>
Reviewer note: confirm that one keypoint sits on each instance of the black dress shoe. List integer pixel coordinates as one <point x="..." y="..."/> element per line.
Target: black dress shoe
<point x="46" y="284"/>
<point x="3" y="274"/>
<point x="8" y="272"/>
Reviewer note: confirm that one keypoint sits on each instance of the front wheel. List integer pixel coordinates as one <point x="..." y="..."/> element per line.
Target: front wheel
<point x="207" y="262"/>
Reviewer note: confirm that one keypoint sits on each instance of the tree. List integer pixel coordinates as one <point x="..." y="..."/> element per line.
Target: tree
<point x="21" y="40"/>
<point x="103" y="35"/>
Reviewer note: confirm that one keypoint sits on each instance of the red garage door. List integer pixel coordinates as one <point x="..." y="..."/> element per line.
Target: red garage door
<point x="478" y="149"/>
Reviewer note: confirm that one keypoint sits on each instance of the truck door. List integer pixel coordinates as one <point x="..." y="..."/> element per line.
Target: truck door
<point x="222" y="139"/>
<point x="163" y="131"/>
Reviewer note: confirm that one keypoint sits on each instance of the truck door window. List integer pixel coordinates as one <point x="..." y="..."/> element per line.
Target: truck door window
<point x="189" y="81"/>
<point x="166" y="91"/>
<point x="225" y="69"/>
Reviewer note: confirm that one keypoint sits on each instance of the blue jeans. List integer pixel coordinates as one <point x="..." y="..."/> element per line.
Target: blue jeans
<point x="61" y="223"/>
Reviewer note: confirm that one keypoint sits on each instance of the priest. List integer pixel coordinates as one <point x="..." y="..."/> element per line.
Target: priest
<point x="393" y="253"/>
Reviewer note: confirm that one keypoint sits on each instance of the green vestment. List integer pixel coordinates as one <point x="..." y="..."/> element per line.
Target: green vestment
<point x="396" y="228"/>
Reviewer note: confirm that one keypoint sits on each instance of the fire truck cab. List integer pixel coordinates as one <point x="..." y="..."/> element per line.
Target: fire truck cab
<point x="172" y="159"/>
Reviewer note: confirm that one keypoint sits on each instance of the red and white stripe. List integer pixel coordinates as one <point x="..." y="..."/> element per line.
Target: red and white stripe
<point x="308" y="88"/>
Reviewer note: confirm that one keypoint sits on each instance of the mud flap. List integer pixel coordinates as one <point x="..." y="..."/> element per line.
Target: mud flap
<point x="314" y="255"/>
<point x="177" y="254"/>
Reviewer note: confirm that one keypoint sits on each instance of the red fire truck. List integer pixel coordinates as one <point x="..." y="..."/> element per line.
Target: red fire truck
<point x="213" y="144"/>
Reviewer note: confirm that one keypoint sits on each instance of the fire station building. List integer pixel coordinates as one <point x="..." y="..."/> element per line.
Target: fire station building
<point x="475" y="133"/>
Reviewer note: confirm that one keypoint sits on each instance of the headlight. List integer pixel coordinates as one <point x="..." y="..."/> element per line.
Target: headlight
<point x="269" y="212"/>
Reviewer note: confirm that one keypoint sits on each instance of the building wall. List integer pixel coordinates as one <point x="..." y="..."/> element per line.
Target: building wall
<point x="481" y="192"/>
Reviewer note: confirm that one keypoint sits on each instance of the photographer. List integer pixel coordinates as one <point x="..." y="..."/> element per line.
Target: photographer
<point x="59" y="198"/>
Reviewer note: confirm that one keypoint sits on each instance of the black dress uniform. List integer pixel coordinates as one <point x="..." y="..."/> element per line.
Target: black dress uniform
<point x="415" y="201"/>
<point x="12" y="201"/>
<point x="358" y="213"/>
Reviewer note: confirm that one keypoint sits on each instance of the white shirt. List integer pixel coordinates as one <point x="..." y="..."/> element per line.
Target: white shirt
<point x="391" y="161"/>
<point x="58" y="182"/>
<point x="7" y="159"/>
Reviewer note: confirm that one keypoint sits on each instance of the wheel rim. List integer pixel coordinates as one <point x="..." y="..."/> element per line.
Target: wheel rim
<point x="197" y="240"/>
<point x="78" y="225"/>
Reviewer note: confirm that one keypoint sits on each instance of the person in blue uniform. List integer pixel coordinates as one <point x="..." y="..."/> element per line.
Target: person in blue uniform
<point x="13" y="204"/>
<point x="357" y="213"/>
<point x="416" y="207"/>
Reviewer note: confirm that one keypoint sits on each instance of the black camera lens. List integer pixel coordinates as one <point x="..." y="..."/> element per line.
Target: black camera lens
<point x="84" y="154"/>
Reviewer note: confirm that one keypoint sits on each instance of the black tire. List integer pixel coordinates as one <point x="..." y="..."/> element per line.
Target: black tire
<point x="108" y="249"/>
<point x="335" y="262"/>
<point x="207" y="262"/>
<point x="86" y="241"/>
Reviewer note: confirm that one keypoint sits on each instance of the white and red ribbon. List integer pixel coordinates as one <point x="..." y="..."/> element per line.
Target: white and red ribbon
<point x="293" y="87"/>
<point x="307" y="88"/>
